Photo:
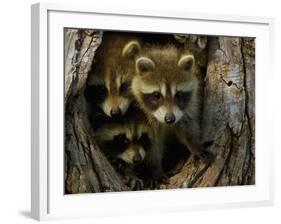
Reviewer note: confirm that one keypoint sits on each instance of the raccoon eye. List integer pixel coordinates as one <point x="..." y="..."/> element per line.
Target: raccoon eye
<point x="156" y="95"/>
<point x="179" y="95"/>
<point x="121" y="140"/>
<point x="124" y="87"/>
<point x="182" y="98"/>
<point x="144" y="141"/>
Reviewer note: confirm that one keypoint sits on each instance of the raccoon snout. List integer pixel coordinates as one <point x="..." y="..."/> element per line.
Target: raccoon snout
<point x="115" y="112"/>
<point x="170" y="118"/>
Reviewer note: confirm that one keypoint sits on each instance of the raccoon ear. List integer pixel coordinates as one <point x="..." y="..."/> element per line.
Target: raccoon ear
<point x="144" y="65"/>
<point x="186" y="62"/>
<point x="131" y="49"/>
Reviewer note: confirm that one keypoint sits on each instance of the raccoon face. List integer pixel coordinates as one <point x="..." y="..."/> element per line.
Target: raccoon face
<point x="165" y="90"/>
<point x="132" y="151"/>
<point x="111" y="91"/>
<point x="112" y="82"/>
<point x="117" y="96"/>
<point x="128" y="143"/>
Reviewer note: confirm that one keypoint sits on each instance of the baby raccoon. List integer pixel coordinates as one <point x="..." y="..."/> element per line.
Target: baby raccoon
<point x="112" y="71"/>
<point x="166" y="87"/>
<point x="128" y="140"/>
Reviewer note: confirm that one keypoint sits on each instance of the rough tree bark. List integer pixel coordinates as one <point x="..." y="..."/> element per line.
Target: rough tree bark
<point x="228" y="119"/>
<point x="86" y="168"/>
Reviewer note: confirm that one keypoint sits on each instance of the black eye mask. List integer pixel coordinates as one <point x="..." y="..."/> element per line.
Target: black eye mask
<point x="152" y="100"/>
<point x="144" y="141"/>
<point x="182" y="98"/>
<point x="120" y="142"/>
<point x="123" y="90"/>
<point x="99" y="93"/>
<point x="95" y="94"/>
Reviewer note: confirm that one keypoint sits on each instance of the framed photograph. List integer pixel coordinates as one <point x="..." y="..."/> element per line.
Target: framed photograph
<point x="148" y="111"/>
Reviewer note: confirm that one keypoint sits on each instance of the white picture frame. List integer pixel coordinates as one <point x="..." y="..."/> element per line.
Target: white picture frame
<point x="48" y="200"/>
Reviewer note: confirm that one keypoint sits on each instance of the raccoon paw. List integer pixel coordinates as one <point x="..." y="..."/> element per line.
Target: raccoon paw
<point x="151" y="184"/>
<point x="154" y="182"/>
<point x="134" y="183"/>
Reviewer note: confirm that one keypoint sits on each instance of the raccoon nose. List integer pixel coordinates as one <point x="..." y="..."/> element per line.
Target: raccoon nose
<point x="137" y="159"/>
<point x="115" y="112"/>
<point x="170" y="118"/>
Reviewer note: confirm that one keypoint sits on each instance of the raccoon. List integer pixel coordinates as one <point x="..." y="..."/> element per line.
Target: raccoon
<point x="109" y="81"/>
<point x="166" y="87"/>
<point x="128" y="140"/>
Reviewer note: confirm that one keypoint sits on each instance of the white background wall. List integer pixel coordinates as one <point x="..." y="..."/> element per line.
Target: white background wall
<point x="15" y="111"/>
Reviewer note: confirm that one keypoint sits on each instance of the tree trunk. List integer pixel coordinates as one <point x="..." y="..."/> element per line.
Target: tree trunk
<point x="86" y="168"/>
<point x="228" y="119"/>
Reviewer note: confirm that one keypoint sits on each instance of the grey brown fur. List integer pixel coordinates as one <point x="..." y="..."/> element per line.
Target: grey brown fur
<point x="170" y="66"/>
